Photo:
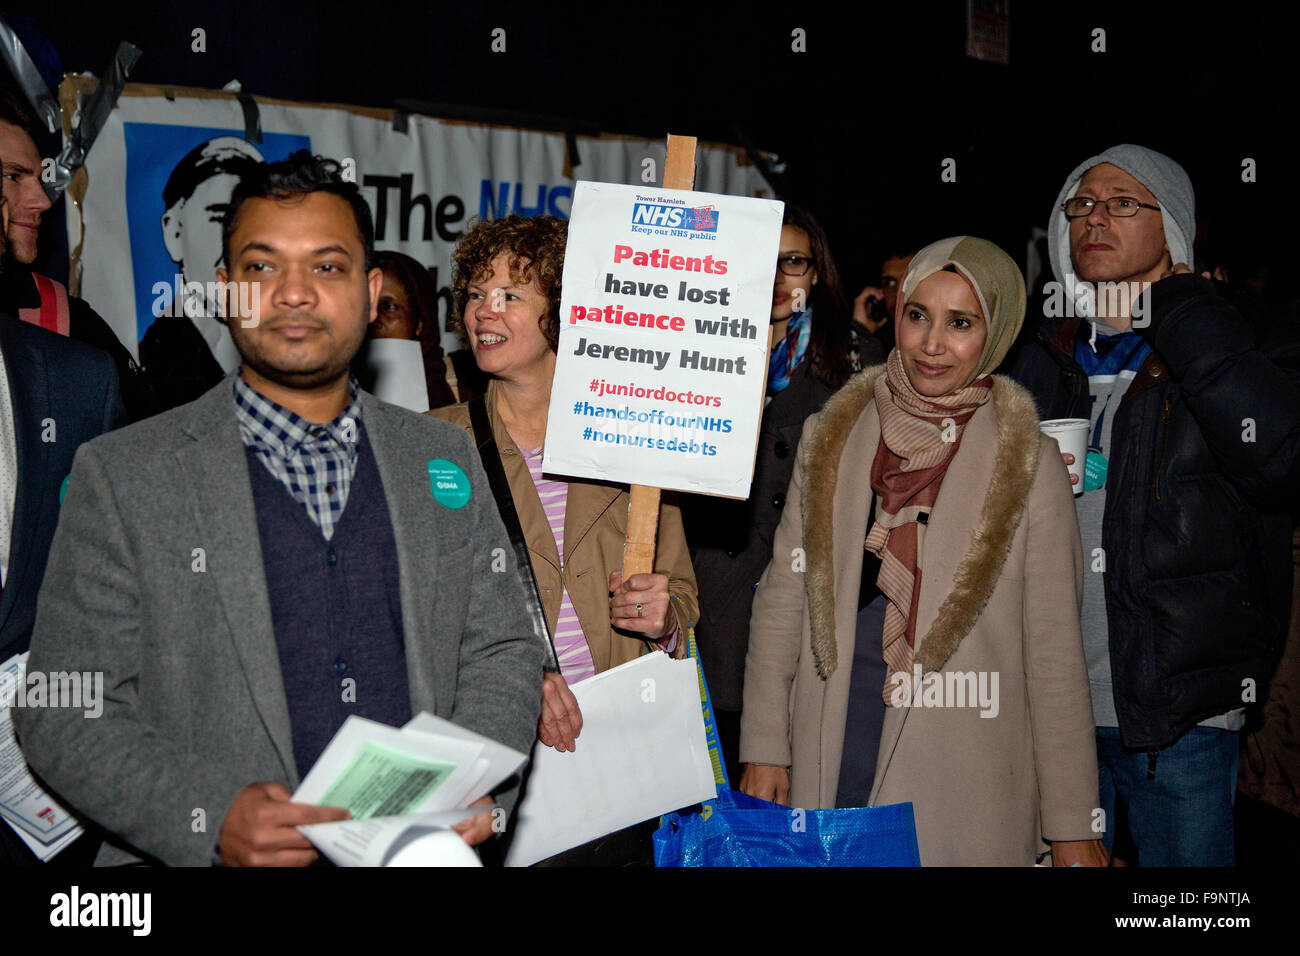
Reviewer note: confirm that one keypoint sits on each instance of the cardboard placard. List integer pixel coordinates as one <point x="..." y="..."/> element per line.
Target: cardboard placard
<point x="663" y="338"/>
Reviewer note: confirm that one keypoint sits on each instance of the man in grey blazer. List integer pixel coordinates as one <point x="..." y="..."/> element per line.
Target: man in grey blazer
<point x="249" y="569"/>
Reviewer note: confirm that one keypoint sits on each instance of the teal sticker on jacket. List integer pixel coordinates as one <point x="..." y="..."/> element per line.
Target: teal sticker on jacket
<point x="1094" y="471"/>
<point x="63" y="489"/>
<point x="450" y="484"/>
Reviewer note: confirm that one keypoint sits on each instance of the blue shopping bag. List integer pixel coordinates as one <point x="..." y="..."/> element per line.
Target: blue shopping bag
<point x="736" y="829"/>
<point x="739" y="830"/>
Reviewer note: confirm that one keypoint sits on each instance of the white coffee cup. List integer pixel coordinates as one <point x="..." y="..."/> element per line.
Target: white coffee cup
<point x="1071" y="435"/>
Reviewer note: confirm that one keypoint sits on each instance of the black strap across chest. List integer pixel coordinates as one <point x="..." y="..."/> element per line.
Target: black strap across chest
<point x="496" y="475"/>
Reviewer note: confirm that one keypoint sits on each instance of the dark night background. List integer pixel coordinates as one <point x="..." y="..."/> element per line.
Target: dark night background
<point x="862" y="120"/>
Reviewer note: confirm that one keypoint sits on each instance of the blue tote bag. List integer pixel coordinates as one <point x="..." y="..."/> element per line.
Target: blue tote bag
<point x="739" y="830"/>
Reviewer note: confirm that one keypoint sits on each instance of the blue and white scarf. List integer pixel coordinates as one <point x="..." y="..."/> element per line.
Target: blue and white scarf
<point x="1110" y="362"/>
<point x="789" y="352"/>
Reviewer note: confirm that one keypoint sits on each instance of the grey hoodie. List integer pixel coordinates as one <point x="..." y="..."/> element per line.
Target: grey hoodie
<point x="1158" y="173"/>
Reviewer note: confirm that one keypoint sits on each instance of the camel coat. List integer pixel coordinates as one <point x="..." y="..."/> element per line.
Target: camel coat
<point x="595" y="529"/>
<point x="1001" y="580"/>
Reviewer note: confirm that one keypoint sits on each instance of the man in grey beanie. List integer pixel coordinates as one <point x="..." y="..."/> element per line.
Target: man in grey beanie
<point x="1193" y="460"/>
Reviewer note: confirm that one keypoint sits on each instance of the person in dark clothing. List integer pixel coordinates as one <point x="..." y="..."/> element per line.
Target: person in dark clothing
<point x="19" y="293"/>
<point x="44" y="378"/>
<point x="1193" y="463"/>
<point x="28" y="295"/>
<point x="815" y="350"/>
<point x="873" y="307"/>
<point x="408" y="309"/>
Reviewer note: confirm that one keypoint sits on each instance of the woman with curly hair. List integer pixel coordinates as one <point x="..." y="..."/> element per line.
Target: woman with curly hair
<point x="506" y="283"/>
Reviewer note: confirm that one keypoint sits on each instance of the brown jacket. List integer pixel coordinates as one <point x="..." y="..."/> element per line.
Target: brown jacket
<point x="1001" y="581"/>
<point x="595" y="528"/>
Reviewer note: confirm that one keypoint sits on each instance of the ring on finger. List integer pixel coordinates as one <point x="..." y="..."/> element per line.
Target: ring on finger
<point x="640" y="611"/>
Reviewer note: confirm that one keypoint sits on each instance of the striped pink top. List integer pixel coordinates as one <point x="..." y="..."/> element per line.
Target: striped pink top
<point x="570" y="643"/>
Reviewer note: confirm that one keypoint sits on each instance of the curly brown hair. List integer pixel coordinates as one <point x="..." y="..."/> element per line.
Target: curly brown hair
<point x="535" y="246"/>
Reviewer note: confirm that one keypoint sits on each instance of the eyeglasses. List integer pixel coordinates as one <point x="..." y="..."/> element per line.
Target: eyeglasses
<point x="794" y="265"/>
<point x="1121" y="207"/>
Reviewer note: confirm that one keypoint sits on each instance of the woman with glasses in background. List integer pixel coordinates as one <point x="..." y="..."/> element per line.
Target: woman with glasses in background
<point x="815" y="347"/>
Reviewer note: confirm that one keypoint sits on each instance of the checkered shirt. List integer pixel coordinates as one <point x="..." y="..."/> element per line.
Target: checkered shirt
<point x="315" y="463"/>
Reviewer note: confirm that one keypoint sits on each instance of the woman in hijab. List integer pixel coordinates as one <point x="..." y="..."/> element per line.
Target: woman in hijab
<point x="916" y="636"/>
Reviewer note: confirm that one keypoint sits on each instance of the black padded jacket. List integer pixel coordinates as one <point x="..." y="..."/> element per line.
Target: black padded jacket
<point x="1204" y="472"/>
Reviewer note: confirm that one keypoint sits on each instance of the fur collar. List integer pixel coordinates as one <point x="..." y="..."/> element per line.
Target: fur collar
<point x="980" y="568"/>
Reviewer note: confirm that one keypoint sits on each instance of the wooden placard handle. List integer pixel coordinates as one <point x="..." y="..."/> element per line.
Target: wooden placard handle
<point x="643" y="512"/>
<point x="679" y="166"/>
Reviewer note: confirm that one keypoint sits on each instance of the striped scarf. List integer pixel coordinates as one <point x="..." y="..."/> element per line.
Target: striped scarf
<point x="918" y="438"/>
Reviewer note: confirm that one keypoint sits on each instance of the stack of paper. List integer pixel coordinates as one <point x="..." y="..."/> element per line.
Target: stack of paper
<point x="401" y="784"/>
<point x="393" y="370"/>
<point x="34" y="815"/>
<point x="642" y="752"/>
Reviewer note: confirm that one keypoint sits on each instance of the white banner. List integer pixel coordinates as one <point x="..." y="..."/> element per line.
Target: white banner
<point x="663" y="338"/>
<point x="161" y="171"/>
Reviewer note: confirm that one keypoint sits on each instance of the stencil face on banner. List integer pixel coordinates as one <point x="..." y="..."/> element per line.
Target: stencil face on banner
<point x="663" y="338"/>
<point x="193" y="228"/>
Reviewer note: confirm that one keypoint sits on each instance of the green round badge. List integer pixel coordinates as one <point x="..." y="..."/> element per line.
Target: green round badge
<point x="450" y="484"/>
<point x="1094" y="471"/>
<point x="63" y="488"/>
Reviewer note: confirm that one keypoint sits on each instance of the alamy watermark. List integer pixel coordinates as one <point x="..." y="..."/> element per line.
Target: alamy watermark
<point x="208" y="300"/>
<point x="79" y="690"/>
<point x="133" y="911"/>
<point x="945" y="689"/>
<point x="1119" y="298"/>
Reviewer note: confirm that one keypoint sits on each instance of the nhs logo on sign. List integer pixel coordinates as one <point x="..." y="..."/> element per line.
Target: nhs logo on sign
<point x="675" y="217"/>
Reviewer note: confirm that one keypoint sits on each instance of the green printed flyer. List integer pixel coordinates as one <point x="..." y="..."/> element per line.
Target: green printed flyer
<point x="379" y="782"/>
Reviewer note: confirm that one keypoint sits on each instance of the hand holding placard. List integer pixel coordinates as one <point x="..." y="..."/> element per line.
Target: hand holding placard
<point x="640" y="603"/>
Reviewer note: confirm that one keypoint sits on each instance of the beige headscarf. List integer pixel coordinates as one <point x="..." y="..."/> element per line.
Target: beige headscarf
<point x="996" y="281"/>
<point x="920" y="435"/>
